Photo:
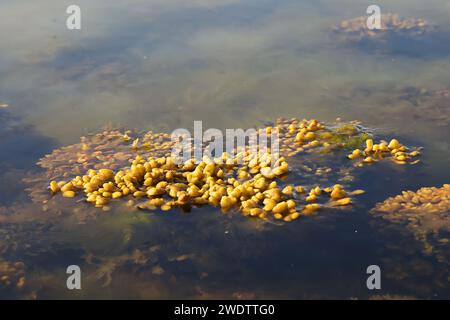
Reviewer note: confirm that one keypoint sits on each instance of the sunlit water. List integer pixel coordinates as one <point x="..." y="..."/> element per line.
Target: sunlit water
<point x="159" y="65"/>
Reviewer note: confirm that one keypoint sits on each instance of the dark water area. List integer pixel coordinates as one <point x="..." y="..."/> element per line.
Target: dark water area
<point x="160" y="65"/>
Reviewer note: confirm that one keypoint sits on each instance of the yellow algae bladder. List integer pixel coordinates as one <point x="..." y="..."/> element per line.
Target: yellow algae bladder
<point x="343" y="202"/>
<point x="69" y="194"/>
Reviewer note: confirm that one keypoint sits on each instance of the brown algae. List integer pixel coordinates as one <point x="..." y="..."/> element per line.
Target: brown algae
<point x="253" y="186"/>
<point x="393" y="36"/>
<point x="424" y="201"/>
<point x="426" y="214"/>
<point x="356" y="29"/>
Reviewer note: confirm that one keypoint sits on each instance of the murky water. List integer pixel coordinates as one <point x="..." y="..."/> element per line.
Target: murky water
<point x="159" y="65"/>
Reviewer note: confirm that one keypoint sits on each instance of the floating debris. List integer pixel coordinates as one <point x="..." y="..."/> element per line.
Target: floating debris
<point x="251" y="183"/>
<point x="429" y="106"/>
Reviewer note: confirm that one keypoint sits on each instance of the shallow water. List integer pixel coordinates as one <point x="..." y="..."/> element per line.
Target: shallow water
<point x="160" y="65"/>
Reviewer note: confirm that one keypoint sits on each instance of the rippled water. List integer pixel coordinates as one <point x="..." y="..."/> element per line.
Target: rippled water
<point x="161" y="64"/>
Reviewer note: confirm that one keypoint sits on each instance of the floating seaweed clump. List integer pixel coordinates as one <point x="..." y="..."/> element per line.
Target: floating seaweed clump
<point x="394" y="150"/>
<point x="107" y="149"/>
<point x="426" y="213"/>
<point x="424" y="201"/>
<point x="356" y="29"/>
<point x="251" y="182"/>
<point x="410" y="37"/>
<point x="111" y="148"/>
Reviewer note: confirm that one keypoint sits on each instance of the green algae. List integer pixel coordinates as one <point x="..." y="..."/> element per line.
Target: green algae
<point x="346" y="136"/>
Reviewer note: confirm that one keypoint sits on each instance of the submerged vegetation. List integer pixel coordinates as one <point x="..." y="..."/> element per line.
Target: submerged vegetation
<point x="424" y="201"/>
<point x="426" y="213"/>
<point x="431" y="105"/>
<point x="12" y="274"/>
<point x="13" y="281"/>
<point x="406" y="103"/>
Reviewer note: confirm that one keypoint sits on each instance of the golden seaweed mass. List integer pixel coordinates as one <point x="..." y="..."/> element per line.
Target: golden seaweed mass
<point x="424" y="201"/>
<point x="356" y="29"/>
<point x="426" y="214"/>
<point x="252" y="188"/>
<point x="394" y="150"/>
<point x="244" y="181"/>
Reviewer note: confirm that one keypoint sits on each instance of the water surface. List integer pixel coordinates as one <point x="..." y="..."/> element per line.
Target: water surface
<point x="159" y="65"/>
